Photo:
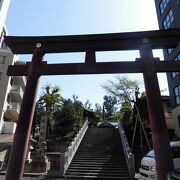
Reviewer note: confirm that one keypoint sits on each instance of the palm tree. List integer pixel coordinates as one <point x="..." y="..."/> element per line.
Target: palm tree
<point x="49" y="102"/>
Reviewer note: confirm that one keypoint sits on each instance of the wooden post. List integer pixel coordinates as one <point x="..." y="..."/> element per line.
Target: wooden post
<point x="159" y="130"/>
<point x="21" y="138"/>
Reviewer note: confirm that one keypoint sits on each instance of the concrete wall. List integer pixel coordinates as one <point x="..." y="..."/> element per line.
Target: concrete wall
<point x="9" y="128"/>
<point x="4" y="82"/>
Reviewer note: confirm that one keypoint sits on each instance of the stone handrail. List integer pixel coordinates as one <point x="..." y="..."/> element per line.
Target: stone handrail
<point x="127" y="151"/>
<point x="68" y="155"/>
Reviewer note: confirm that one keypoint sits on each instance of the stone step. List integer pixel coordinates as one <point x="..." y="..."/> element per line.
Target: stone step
<point x="87" y="160"/>
<point x="108" y="174"/>
<point x="117" y="164"/>
<point x="99" y="156"/>
<point x="91" y="170"/>
<point x="97" y="167"/>
<point x="95" y="177"/>
<point x="99" y="151"/>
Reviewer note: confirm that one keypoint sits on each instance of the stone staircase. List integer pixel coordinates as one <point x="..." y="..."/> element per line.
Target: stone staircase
<point x="100" y="156"/>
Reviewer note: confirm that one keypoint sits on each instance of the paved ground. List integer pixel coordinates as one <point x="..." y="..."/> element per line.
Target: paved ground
<point x="2" y="177"/>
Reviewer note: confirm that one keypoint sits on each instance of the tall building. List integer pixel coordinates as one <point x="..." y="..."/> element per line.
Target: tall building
<point x="168" y="14"/>
<point x="11" y="88"/>
<point x="4" y="5"/>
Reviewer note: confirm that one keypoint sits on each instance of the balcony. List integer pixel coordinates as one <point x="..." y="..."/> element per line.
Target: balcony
<point x="13" y="110"/>
<point x="17" y="92"/>
<point x="20" y="80"/>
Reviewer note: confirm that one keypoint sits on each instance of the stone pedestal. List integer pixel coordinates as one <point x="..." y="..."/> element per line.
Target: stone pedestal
<point x="40" y="164"/>
<point x="55" y="160"/>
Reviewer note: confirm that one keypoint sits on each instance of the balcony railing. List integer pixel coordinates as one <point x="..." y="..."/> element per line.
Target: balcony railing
<point x="17" y="90"/>
<point x="21" y="80"/>
<point x="14" y="106"/>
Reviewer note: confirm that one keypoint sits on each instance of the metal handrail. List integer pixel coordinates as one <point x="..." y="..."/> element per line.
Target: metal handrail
<point x="127" y="151"/>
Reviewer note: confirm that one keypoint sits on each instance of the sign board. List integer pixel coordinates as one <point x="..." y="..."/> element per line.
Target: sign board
<point x="43" y="128"/>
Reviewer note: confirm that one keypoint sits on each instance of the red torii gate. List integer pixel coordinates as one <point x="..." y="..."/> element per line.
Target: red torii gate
<point x="146" y="64"/>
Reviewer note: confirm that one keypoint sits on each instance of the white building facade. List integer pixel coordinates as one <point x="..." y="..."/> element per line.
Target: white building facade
<point x="11" y="88"/>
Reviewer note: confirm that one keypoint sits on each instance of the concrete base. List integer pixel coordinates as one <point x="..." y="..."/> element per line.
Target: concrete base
<point x="55" y="168"/>
<point x="39" y="165"/>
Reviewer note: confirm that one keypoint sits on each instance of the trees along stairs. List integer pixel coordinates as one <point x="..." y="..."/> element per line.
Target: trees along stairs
<point x="99" y="156"/>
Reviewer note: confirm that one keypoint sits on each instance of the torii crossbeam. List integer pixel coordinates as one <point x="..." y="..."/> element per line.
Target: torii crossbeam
<point x="146" y="64"/>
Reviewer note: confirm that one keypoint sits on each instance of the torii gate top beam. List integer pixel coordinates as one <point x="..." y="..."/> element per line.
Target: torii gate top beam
<point x="98" y="42"/>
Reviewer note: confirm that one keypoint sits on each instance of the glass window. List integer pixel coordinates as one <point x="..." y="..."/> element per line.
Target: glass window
<point x="168" y="19"/>
<point x="175" y="152"/>
<point x="179" y="120"/>
<point x="177" y="57"/>
<point x="2" y="58"/>
<point x="12" y="82"/>
<point x="170" y="50"/>
<point x="8" y="98"/>
<point x="163" y="5"/>
<point x="174" y="74"/>
<point x="177" y="94"/>
<point x="0" y="75"/>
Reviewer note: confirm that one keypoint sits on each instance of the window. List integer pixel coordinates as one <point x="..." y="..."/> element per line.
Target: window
<point x="2" y="58"/>
<point x="8" y="98"/>
<point x="174" y="74"/>
<point x="177" y="57"/>
<point x="0" y="75"/>
<point x="170" y="50"/>
<point x="168" y="19"/>
<point x="175" y="152"/>
<point x="177" y="94"/>
<point x="163" y="5"/>
<point x="12" y="82"/>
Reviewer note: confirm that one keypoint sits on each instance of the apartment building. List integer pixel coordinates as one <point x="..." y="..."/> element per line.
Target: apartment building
<point x="11" y="93"/>
<point x="11" y="88"/>
<point x="168" y="14"/>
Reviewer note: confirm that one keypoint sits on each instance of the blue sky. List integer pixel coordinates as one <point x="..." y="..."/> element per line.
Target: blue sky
<point x="71" y="17"/>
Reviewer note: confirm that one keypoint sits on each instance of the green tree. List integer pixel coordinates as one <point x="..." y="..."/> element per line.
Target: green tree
<point x="109" y="107"/>
<point x="87" y="104"/>
<point x="126" y="112"/>
<point x="98" y="112"/>
<point x="68" y="119"/>
<point x="123" y="89"/>
<point x="49" y="102"/>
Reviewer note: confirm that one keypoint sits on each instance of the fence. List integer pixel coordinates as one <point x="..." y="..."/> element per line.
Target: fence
<point x="127" y="151"/>
<point x="67" y="157"/>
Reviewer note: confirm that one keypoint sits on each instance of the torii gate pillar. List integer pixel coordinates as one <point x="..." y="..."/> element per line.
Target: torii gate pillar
<point x="159" y="130"/>
<point x="21" y="138"/>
